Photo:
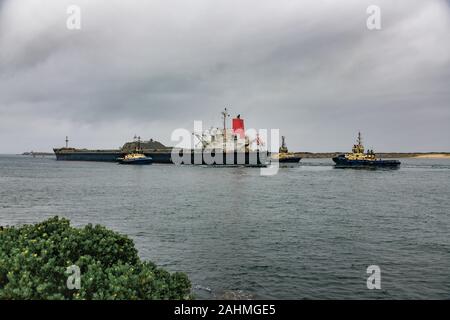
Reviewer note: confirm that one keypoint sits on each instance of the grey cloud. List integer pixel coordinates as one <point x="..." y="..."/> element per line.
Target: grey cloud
<point x="310" y="68"/>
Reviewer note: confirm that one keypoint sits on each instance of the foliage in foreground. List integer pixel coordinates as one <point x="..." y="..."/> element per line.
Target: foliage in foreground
<point x="34" y="260"/>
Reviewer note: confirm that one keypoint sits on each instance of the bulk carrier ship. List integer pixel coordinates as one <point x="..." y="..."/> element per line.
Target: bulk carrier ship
<point x="221" y="146"/>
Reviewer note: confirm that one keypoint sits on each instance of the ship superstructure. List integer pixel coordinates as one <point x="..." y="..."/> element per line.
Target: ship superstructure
<point x="228" y="140"/>
<point x="229" y="146"/>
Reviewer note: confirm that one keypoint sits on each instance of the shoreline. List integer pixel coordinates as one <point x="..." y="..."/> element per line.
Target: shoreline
<point x="433" y="156"/>
<point x="387" y="155"/>
<point x="320" y="155"/>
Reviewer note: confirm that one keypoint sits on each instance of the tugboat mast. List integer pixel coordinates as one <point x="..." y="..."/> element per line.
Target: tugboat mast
<point x="358" y="147"/>
<point x="359" y="141"/>
<point x="283" y="148"/>
<point x="138" y="145"/>
<point x="137" y="142"/>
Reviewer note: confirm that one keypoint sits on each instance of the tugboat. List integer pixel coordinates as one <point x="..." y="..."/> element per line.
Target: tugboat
<point x="284" y="156"/>
<point x="136" y="157"/>
<point x="359" y="159"/>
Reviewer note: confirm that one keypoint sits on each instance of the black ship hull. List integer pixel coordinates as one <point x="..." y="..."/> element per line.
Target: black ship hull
<point x="107" y="155"/>
<point x="290" y="160"/>
<point x="191" y="157"/>
<point x="145" y="161"/>
<point x="165" y="157"/>
<point x="342" y="162"/>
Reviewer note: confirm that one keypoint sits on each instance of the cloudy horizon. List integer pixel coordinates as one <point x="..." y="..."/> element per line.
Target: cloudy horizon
<point x="309" y="68"/>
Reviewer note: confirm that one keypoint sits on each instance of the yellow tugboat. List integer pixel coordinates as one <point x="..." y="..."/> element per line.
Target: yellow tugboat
<point x="284" y="156"/>
<point x="136" y="157"/>
<point x="360" y="159"/>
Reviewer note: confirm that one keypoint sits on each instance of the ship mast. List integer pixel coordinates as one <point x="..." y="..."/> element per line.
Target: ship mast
<point x="225" y="114"/>
<point x="67" y="141"/>
<point x="283" y="148"/>
<point x="137" y="143"/>
<point x="359" y="148"/>
<point x="138" y="148"/>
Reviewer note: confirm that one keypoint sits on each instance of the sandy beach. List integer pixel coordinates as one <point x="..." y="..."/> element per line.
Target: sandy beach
<point x="434" y="156"/>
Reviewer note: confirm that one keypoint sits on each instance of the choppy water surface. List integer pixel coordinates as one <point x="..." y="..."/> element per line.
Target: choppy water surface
<point x="308" y="232"/>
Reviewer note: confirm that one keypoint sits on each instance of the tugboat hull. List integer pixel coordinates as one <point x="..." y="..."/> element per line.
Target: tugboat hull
<point x="342" y="162"/>
<point x="136" y="161"/>
<point x="290" y="160"/>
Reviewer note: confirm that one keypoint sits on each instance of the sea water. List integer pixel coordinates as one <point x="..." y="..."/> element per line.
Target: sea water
<point x="308" y="232"/>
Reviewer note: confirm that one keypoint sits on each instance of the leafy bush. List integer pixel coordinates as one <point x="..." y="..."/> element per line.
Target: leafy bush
<point x="34" y="260"/>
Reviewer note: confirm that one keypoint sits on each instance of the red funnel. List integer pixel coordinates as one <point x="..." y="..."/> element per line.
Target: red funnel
<point x="238" y="127"/>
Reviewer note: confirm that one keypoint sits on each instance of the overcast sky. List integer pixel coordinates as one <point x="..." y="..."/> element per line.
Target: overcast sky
<point x="310" y="68"/>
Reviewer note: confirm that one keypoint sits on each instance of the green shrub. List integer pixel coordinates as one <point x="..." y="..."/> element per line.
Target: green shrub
<point x="34" y="260"/>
